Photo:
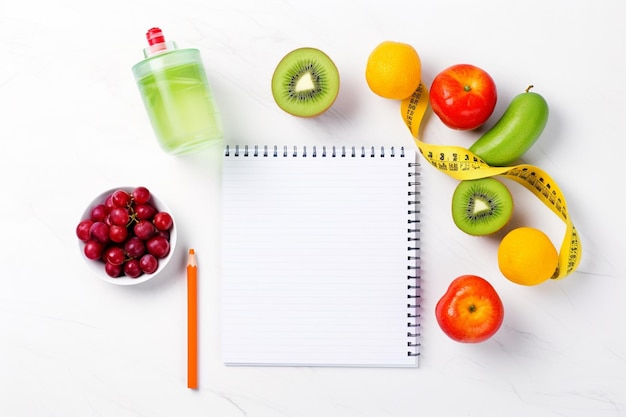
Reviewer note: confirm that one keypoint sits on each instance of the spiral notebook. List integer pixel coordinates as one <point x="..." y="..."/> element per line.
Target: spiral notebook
<point x="320" y="256"/>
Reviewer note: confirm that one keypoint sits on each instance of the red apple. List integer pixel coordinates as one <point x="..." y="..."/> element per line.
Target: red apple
<point x="463" y="96"/>
<point x="470" y="311"/>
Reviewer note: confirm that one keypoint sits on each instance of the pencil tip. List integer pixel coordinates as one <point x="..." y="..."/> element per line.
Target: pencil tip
<point x="191" y="251"/>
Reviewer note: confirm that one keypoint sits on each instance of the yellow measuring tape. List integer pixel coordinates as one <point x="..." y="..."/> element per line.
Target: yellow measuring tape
<point x="462" y="164"/>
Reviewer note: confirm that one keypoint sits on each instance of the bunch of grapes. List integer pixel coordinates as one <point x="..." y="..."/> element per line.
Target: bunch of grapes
<point x="127" y="233"/>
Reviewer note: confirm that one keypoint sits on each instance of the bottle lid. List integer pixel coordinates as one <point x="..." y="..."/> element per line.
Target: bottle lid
<point x="157" y="43"/>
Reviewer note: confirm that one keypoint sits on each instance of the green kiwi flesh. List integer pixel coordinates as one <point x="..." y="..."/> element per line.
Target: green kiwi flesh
<point x="305" y="82"/>
<point x="482" y="206"/>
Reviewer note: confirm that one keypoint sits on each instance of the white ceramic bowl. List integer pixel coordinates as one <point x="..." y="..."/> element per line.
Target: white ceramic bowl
<point x="97" y="266"/>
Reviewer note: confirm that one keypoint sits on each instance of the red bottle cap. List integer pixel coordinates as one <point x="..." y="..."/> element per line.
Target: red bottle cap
<point x="155" y="36"/>
<point x="156" y="42"/>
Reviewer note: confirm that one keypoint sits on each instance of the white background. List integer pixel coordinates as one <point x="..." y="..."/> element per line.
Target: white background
<point x="73" y="125"/>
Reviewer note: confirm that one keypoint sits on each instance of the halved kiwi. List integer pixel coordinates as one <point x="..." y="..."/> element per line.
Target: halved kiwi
<point x="481" y="206"/>
<point x="305" y="82"/>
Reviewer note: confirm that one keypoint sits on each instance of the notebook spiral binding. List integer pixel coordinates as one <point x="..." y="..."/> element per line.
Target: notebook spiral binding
<point x="413" y="267"/>
<point x="315" y="151"/>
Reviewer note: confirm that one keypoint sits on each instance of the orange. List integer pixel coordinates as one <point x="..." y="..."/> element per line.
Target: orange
<point x="526" y="256"/>
<point x="393" y="70"/>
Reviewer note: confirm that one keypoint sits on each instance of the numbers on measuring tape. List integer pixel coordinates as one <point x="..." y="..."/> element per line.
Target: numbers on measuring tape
<point x="543" y="187"/>
<point x="453" y="159"/>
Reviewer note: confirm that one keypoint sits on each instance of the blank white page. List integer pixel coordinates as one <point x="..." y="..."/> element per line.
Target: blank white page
<point x="319" y="257"/>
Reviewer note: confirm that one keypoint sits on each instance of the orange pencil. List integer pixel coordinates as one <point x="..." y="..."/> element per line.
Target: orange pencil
<point x="192" y="320"/>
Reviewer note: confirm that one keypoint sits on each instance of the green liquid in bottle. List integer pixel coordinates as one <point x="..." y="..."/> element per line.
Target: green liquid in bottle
<point x="181" y="108"/>
<point x="177" y="97"/>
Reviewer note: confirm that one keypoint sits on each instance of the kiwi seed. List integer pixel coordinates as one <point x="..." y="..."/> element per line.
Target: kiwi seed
<point x="481" y="206"/>
<point x="305" y="82"/>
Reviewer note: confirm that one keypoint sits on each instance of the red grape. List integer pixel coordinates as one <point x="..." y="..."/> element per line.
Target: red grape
<point x="100" y="232"/>
<point x="145" y="211"/>
<point x="163" y="220"/>
<point x="158" y="246"/>
<point x="114" y="255"/>
<point x="120" y="198"/>
<point x="148" y="263"/>
<point x="82" y="230"/>
<point x="118" y="234"/>
<point x="108" y="202"/>
<point x="141" y="195"/>
<point x="119" y="216"/>
<point x="132" y="268"/>
<point x="98" y="213"/>
<point x="135" y="247"/>
<point x="144" y="229"/>
<point x="93" y="249"/>
<point x="114" y="271"/>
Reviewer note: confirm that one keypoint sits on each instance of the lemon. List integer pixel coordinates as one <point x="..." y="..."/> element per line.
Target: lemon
<point x="393" y="70"/>
<point x="526" y="256"/>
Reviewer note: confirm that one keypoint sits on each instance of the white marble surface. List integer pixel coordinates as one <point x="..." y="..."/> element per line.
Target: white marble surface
<point x="73" y="125"/>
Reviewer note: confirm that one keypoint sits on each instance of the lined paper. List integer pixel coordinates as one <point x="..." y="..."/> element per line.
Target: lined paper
<point x="315" y="261"/>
